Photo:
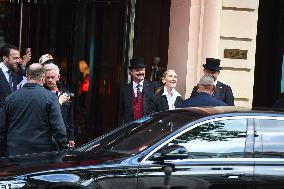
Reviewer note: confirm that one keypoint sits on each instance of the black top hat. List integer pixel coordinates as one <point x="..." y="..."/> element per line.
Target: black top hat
<point x="136" y="63"/>
<point x="212" y="64"/>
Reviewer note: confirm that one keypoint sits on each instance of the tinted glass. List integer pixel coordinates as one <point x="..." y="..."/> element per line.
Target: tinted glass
<point x="218" y="139"/>
<point x="141" y="134"/>
<point x="272" y="138"/>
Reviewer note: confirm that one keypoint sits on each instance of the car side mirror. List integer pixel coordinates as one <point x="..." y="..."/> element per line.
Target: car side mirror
<point x="171" y="152"/>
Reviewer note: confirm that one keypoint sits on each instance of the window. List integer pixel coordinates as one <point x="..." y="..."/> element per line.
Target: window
<point x="148" y="134"/>
<point x="272" y="138"/>
<point x="218" y="139"/>
<point x="140" y="134"/>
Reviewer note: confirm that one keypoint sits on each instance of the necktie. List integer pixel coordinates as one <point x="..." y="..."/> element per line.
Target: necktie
<point x="138" y="90"/>
<point x="10" y="79"/>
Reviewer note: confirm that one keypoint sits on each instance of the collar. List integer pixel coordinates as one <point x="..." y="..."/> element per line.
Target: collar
<point x="3" y="67"/>
<point x="204" y="93"/>
<point x="174" y="92"/>
<point x="215" y="83"/>
<point x="32" y="85"/>
<point x="135" y="84"/>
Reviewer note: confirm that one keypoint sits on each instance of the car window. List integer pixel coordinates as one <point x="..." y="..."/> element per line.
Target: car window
<point x="140" y="135"/>
<point x="272" y="135"/>
<point x="139" y="140"/>
<point x="218" y="139"/>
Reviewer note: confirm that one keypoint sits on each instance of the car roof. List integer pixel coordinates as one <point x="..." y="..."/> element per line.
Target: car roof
<point x="209" y="110"/>
<point x="217" y="110"/>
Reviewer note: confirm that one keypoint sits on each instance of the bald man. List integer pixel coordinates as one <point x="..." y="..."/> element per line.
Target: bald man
<point x="31" y="121"/>
<point x="203" y="97"/>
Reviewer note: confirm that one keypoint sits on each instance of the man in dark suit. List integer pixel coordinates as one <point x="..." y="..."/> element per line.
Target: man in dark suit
<point x="222" y="92"/>
<point x="31" y="121"/>
<point x="52" y="83"/>
<point x="10" y="59"/>
<point x="135" y="96"/>
<point x="203" y="97"/>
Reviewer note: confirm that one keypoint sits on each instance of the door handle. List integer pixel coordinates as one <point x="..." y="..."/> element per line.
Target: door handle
<point x="233" y="176"/>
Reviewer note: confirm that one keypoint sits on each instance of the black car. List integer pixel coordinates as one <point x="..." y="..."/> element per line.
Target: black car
<point x="196" y="148"/>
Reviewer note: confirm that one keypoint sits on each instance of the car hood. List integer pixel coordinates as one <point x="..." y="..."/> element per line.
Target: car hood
<point x="32" y="163"/>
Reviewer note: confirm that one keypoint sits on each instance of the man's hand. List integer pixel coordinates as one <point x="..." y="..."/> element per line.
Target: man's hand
<point x="71" y="144"/>
<point x="26" y="58"/>
<point x="63" y="97"/>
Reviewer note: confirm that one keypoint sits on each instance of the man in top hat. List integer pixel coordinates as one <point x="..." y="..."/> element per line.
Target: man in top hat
<point x="136" y="98"/>
<point x="203" y="97"/>
<point x="222" y="92"/>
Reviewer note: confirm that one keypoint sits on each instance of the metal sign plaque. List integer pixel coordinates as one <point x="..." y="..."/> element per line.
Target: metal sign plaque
<point x="235" y="53"/>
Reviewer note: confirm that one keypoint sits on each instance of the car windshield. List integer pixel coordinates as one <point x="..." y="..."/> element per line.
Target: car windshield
<point x="140" y="134"/>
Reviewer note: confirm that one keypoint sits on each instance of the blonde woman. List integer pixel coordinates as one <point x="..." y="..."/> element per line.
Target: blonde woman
<point x="167" y="97"/>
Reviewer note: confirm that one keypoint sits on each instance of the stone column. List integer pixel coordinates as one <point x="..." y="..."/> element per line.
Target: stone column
<point x="178" y="41"/>
<point x="194" y="35"/>
<point x="210" y="31"/>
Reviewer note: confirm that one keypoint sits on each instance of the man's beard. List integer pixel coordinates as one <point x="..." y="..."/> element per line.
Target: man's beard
<point x="51" y="86"/>
<point x="12" y="66"/>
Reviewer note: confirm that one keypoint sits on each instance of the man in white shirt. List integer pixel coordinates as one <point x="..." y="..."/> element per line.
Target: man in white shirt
<point x="10" y="59"/>
<point x="135" y="96"/>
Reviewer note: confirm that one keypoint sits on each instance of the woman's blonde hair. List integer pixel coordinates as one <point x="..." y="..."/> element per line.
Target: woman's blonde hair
<point x="166" y="72"/>
<point x="163" y="77"/>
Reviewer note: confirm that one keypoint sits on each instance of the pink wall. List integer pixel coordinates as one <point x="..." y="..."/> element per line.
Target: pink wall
<point x="178" y="40"/>
<point x="193" y="36"/>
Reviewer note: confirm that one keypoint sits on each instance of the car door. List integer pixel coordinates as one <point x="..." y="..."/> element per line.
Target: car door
<point x="269" y="152"/>
<point x="219" y="156"/>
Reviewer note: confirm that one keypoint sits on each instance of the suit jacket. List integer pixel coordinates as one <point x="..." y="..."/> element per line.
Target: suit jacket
<point x="223" y="93"/>
<point x="30" y="120"/>
<point x="162" y="101"/>
<point x="5" y="88"/>
<point x="67" y="112"/>
<point x="125" y="102"/>
<point x="201" y="99"/>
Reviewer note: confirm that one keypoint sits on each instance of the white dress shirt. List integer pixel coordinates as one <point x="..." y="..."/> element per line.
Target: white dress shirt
<point x="21" y="84"/>
<point x="171" y="98"/>
<point x="5" y="70"/>
<point x="135" y="87"/>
